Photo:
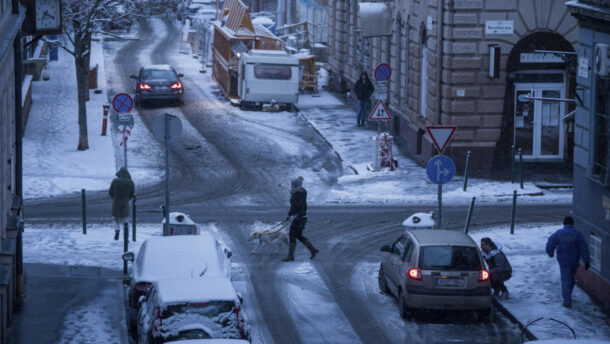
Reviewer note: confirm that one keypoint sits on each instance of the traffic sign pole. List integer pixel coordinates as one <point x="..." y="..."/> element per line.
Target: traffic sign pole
<point x="166" y="227"/>
<point x="439" y="223"/>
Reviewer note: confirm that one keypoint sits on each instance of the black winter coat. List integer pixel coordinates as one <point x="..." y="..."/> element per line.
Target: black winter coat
<point x="121" y="190"/>
<point x="298" y="203"/>
<point x="498" y="264"/>
<point x="363" y="89"/>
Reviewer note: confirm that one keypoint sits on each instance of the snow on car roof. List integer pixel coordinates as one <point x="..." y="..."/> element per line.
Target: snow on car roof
<point x="419" y="220"/>
<point x="442" y="237"/>
<point x="158" y="66"/>
<point x="179" y="256"/>
<point x="177" y="290"/>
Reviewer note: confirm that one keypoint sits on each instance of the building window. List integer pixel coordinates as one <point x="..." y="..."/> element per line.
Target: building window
<point x="595" y="245"/>
<point x="600" y="128"/>
<point x="424" y="79"/>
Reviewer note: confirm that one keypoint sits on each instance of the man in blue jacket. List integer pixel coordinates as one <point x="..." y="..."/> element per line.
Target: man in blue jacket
<point x="571" y="246"/>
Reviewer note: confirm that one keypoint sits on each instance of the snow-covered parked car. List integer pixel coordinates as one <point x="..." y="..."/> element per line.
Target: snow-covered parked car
<point x="174" y="257"/>
<point x="436" y="269"/>
<point x="191" y="308"/>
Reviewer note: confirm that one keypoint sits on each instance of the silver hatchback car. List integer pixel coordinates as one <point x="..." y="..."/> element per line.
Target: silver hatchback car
<point x="436" y="269"/>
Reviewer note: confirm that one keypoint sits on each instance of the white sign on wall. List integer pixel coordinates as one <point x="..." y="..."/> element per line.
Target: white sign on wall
<point x="583" y="67"/>
<point x="499" y="27"/>
<point x="540" y="58"/>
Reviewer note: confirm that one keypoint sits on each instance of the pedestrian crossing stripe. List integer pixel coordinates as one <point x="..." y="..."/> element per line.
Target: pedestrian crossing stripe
<point x="380" y="113"/>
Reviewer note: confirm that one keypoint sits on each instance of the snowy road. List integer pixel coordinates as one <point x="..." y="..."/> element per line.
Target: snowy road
<point x="230" y="173"/>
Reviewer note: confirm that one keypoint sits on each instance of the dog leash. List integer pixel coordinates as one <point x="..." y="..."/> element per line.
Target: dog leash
<point x="283" y="223"/>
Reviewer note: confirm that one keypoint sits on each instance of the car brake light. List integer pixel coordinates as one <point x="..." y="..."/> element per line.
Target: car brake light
<point x="176" y="85"/>
<point x="483" y="275"/>
<point x="415" y="274"/>
<point x="145" y="87"/>
<point x="240" y="320"/>
<point x="159" y="317"/>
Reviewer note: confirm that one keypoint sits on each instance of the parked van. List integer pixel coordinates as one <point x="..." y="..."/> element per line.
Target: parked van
<point x="267" y="76"/>
<point x="160" y="258"/>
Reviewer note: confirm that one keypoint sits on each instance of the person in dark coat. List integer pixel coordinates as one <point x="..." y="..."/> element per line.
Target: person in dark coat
<point x="363" y="89"/>
<point x="298" y="214"/>
<point x="121" y="190"/>
<point x="571" y="246"/>
<point x="499" y="267"/>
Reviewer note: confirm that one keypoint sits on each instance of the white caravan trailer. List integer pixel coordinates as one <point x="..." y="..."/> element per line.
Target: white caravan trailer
<point x="268" y="76"/>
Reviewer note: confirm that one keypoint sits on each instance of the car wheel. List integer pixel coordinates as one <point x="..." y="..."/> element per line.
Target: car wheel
<point x="402" y="306"/>
<point x="138" y="103"/>
<point x="133" y="326"/>
<point x="383" y="284"/>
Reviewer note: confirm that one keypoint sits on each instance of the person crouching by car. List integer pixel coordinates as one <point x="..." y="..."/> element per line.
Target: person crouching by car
<point x="499" y="267"/>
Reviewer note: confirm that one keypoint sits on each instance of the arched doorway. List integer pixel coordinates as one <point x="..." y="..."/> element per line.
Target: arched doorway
<point x="539" y="126"/>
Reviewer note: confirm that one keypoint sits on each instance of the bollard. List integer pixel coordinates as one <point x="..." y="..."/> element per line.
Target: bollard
<point x="105" y="119"/>
<point x="466" y="170"/>
<point x="521" y="168"/>
<point x="84" y="210"/>
<point x="469" y="215"/>
<point x="512" y="164"/>
<point x="133" y="220"/>
<point x="512" y="218"/>
<point x="125" y="244"/>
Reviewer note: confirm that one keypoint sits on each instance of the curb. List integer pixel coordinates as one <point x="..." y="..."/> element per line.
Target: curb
<point x="528" y="334"/>
<point x="299" y="113"/>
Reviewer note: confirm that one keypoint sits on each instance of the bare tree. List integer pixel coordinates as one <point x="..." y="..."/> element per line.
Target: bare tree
<point x="82" y="19"/>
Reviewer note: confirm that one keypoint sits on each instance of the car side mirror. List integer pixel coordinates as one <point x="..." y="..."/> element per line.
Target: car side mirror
<point x="228" y="253"/>
<point x="128" y="256"/>
<point x="133" y="76"/>
<point x="386" y="248"/>
<point x="181" y="75"/>
<point x="141" y="300"/>
<point x="240" y="297"/>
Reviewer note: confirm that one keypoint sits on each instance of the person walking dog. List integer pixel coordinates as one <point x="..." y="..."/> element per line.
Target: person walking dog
<point x="363" y="89"/>
<point x="499" y="267"/>
<point x="121" y="190"/>
<point x="571" y="246"/>
<point x="298" y="214"/>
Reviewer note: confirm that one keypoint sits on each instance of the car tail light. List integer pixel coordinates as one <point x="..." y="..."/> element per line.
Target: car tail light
<point x="145" y="87"/>
<point x="483" y="275"/>
<point x="159" y="316"/>
<point x="240" y="320"/>
<point x="176" y="85"/>
<point x="414" y="274"/>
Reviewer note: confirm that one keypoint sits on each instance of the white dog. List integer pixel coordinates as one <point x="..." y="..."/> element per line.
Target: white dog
<point x="267" y="236"/>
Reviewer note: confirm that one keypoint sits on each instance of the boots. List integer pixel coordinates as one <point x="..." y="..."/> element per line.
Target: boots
<point x="312" y="249"/>
<point x="116" y="235"/>
<point x="292" y="246"/>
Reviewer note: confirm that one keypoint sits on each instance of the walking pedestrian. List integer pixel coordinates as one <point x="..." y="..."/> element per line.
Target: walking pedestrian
<point x="121" y="190"/>
<point x="298" y="214"/>
<point x="363" y="89"/>
<point x="499" y="267"/>
<point x="571" y="246"/>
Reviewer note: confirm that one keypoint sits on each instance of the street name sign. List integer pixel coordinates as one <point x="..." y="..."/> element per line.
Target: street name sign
<point x="380" y="113"/>
<point x="441" y="135"/>
<point x="440" y="169"/>
<point x="122" y="102"/>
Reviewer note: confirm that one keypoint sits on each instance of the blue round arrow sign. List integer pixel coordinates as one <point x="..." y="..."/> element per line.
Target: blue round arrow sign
<point x="440" y="169"/>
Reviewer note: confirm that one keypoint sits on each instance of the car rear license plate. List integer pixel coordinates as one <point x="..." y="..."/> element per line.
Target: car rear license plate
<point x="162" y="88"/>
<point x="450" y="282"/>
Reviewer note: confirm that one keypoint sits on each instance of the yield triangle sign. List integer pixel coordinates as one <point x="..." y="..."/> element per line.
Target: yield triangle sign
<point x="441" y="134"/>
<point x="380" y="113"/>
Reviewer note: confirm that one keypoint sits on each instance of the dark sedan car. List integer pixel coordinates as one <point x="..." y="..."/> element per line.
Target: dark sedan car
<point x="158" y="83"/>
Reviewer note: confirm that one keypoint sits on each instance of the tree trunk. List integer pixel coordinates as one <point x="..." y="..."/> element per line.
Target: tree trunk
<point x="82" y="74"/>
<point x="87" y="57"/>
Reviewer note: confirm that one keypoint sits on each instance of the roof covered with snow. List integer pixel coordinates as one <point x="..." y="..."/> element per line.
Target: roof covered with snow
<point x="177" y="290"/>
<point x="178" y="256"/>
<point x="419" y="220"/>
<point x="158" y="66"/>
<point x="427" y="237"/>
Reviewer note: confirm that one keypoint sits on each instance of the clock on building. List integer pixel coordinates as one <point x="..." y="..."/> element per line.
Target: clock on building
<point x="48" y="14"/>
<point x="43" y="17"/>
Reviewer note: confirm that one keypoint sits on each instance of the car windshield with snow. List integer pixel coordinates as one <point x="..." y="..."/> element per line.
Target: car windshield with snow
<point x="192" y="309"/>
<point x="436" y="269"/>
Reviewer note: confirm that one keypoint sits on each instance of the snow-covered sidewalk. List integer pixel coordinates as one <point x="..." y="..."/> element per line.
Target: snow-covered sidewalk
<point x="535" y="287"/>
<point x="334" y="119"/>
